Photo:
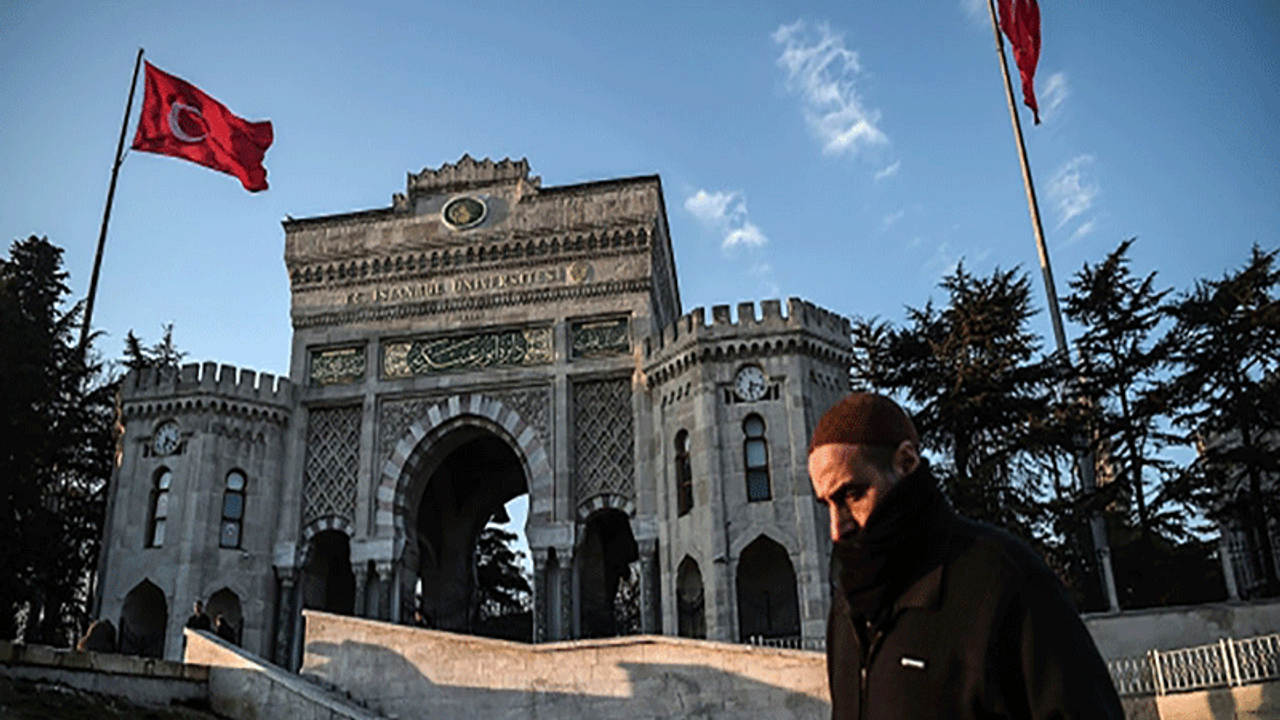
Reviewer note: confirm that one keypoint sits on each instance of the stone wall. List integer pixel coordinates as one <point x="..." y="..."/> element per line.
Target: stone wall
<point x="145" y="681"/>
<point x="1134" y="633"/>
<point x="243" y="686"/>
<point x="406" y="672"/>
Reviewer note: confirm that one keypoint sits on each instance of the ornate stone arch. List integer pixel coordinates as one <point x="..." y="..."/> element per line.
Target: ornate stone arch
<point x="771" y="532"/>
<point x="604" y="501"/>
<point x="314" y="528"/>
<point x="414" y="445"/>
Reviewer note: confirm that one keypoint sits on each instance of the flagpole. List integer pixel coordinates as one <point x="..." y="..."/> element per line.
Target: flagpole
<point x="106" y="213"/>
<point x="1086" y="460"/>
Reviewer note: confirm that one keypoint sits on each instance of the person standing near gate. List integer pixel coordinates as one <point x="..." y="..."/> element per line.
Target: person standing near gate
<point x="934" y="615"/>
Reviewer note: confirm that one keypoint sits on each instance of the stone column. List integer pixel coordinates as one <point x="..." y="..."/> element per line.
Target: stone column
<point x="389" y="595"/>
<point x="650" y="623"/>
<point x="286" y="596"/>
<point x="1228" y="567"/>
<point x="361" y="571"/>
<point x="541" y="593"/>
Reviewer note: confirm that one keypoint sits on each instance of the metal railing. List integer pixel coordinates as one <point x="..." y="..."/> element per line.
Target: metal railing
<point x="1226" y="663"/>
<point x="791" y="642"/>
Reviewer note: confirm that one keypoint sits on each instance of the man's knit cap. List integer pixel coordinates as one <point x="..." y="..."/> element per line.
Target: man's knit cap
<point x="864" y="419"/>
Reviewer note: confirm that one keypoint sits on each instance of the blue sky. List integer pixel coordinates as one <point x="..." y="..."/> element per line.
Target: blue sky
<point x="847" y="153"/>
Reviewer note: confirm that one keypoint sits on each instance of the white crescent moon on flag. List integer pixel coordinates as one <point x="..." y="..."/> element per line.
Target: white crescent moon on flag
<point x="176" y="128"/>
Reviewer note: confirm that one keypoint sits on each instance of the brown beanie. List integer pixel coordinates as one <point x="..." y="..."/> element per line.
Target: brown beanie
<point x="864" y="419"/>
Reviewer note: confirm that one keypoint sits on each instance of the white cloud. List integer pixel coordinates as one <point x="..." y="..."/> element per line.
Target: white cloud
<point x="1053" y="94"/>
<point x="889" y="220"/>
<point x="977" y="11"/>
<point x="726" y="212"/>
<point x="709" y="208"/>
<point x="889" y="171"/>
<point x="1085" y="228"/>
<point x="823" y="72"/>
<point x="1073" y="190"/>
<point x="748" y="235"/>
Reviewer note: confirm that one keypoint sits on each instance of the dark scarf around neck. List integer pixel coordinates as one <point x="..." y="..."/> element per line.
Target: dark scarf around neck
<point x="893" y="549"/>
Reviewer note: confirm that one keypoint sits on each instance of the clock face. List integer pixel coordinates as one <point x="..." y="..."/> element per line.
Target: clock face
<point x="165" y="441"/>
<point x="750" y="383"/>
<point x="463" y="212"/>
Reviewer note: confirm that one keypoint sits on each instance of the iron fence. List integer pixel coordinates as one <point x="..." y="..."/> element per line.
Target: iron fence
<point x="792" y="642"/>
<point x="1226" y="663"/>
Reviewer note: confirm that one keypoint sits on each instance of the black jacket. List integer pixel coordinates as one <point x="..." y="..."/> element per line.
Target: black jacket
<point x="978" y="627"/>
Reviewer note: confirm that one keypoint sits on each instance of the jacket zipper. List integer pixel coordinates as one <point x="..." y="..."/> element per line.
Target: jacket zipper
<point x="868" y="654"/>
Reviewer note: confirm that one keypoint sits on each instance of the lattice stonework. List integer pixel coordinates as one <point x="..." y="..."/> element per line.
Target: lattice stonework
<point x="333" y="456"/>
<point x="601" y="339"/>
<point x="337" y="367"/>
<point x="604" y="438"/>
<point x="406" y="358"/>
<point x="395" y="416"/>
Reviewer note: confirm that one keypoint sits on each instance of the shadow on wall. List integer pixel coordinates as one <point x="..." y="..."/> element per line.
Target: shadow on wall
<point x="387" y="682"/>
<point x="1261" y="700"/>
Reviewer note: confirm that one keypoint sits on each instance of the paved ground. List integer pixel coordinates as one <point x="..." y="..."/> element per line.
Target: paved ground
<point x="25" y="700"/>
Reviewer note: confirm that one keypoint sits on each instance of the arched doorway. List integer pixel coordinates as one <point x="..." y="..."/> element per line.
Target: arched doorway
<point x="608" y="585"/>
<point x="227" y="604"/>
<point x="691" y="607"/>
<point x="328" y="582"/>
<point x="768" y="606"/>
<point x="144" y="618"/>
<point x="471" y="474"/>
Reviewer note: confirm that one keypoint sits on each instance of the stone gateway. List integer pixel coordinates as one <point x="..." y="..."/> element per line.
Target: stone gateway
<point x="481" y="339"/>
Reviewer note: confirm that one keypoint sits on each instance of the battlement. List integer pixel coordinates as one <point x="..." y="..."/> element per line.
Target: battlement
<point x="802" y="316"/>
<point x="469" y="173"/>
<point x="226" y="382"/>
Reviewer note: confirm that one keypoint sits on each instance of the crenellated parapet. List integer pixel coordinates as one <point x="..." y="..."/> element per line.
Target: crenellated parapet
<point x="207" y="387"/>
<point x="469" y="173"/>
<point x="805" y="329"/>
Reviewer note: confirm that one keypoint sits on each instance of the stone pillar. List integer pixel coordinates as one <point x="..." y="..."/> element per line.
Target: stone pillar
<point x="389" y="595"/>
<point x="1228" y="567"/>
<point x="650" y="622"/>
<point x="361" y="571"/>
<point x="286" y="596"/>
<point x="542" y="628"/>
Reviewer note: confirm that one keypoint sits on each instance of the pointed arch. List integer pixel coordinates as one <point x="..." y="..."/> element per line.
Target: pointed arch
<point x="414" y="446"/>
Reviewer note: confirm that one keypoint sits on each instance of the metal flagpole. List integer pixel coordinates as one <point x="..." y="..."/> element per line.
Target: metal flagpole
<point x="95" y="600"/>
<point x="106" y="213"/>
<point x="1086" y="458"/>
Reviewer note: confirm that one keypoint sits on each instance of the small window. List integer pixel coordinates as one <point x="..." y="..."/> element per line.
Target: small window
<point x="159" y="508"/>
<point x="684" y="474"/>
<point x="755" y="450"/>
<point x="232" y="510"/>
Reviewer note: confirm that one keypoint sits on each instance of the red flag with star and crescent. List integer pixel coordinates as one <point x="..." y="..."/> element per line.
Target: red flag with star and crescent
<point x="179" y="119"/>
<point x="1020" y="21"/>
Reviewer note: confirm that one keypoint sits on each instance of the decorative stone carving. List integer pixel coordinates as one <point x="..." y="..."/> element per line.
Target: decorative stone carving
<point x="531" y="346"/>
<point x="604" y="439"/>
<point x="337" y="367"/>
<point x="395" y="416"/>
<point x="333" y="455"/>
<point x="601" y="338"/>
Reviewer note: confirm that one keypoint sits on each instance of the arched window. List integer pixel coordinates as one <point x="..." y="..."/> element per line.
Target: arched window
<point x="755" y="451"/>
<point x="684" y="474"/>
<point x="159" y="508"/>
<point x="232" y="510"/>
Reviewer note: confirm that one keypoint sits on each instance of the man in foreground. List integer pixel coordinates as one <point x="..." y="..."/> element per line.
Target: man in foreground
<point x="934" y="615"/>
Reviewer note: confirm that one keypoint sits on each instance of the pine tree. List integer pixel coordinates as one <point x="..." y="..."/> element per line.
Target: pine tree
<point x="1226" y="397"/>
<point x="1122" y="353"/>
<point x="503" y="595"/>
<point x="972" y="371"/>
<point x="56" y="447"/>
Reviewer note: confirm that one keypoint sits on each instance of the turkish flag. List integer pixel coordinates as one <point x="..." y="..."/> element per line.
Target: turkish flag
<point x="179" y="119"/>
<point x="1020" y="20"/>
